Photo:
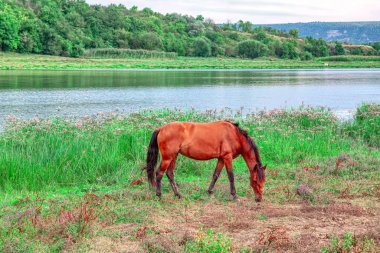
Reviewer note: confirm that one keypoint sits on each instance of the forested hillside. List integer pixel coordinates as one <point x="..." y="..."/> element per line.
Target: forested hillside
<point x="352" y="32"/>
<point x="69" y="27"/>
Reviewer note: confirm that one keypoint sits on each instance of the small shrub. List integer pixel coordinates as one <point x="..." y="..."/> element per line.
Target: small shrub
<point x="350" y="243"/>
<point x="209" y="243"/>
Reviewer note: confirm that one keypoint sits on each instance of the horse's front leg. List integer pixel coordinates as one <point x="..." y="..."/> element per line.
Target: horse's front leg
<point x="218" y="169"/>
<point x="228" y="163"/>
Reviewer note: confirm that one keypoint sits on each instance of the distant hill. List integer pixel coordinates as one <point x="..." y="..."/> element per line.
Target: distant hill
<point x="352" y="32"/>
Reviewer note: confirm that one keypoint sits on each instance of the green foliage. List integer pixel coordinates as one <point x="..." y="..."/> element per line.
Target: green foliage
<point x="98" y="149"/>
<point x="251" y="49"/>
<point x="68" y="28"/>
<point x="150" y="41"/>
<point x="201" y="47"/>
<point x="9" y="27"/>
<point x="75" y="176"/>
<point x="339" y="50"/>
<point x="209" y="243"/>
<point x="306" y="56"/>
<point x="289" y="50"/>
<point x="350" y="243"/>
<point x="366" y="125"/>
<point x="376" y="46"/>
<point x="358" y="51"/>
<point x="350" y="59"/>
<point x="294" y="33"/>
<point x="317" y="47"/>
<point x="261" y="35"/>
<point x="244" y="26"/>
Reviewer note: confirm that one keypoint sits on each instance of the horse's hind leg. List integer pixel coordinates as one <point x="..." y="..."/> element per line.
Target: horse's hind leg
<point x="218" y="169"/>
<point x="228" y="162"/>
<point x="170" y="174"/>
<point x="165" y="163"/>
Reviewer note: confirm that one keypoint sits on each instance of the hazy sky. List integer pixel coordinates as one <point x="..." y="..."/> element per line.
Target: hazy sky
<point x="262" y="11"/>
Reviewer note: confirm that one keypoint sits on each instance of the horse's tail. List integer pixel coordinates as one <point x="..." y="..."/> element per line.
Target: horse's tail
<point x="151" y="159"/>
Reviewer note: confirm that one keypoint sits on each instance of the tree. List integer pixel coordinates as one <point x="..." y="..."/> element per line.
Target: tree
<point x="294" y="33"/>
<point x="316" y="47"/>
<point x="289" y="49"/>
<point x="251" y="49"/>
<point x="376" y="46"/>
<point x="9" y="26"/>
<point x="201" y="47"/>
<point x="150" y="41"/>
<point x="67" y="27"/>
<point x="339" y="50"/>
<point x="261" y="35"/>
<point x="200" y="18"/>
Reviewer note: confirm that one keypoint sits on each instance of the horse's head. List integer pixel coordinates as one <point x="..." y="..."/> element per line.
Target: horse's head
<point x="257" y="182"/>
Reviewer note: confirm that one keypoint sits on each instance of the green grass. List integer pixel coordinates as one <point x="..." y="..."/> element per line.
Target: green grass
<point x="350" y="243"/>
<point x="350" y="58"/>
<point x="366" y="124"/>
<point x="64" y="180"/>
<point x="29" y="61"/>
<point x="110" y="149"/>
<point x="209" y="243"/>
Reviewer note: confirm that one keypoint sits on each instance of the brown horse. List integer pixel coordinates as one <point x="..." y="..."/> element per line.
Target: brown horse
<point x="222" y="140"/>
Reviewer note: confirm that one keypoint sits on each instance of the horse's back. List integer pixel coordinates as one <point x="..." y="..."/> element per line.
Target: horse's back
<point x="199" y="140"/>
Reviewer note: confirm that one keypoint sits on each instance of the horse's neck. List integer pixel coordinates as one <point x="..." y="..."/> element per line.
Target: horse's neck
<point x="248" y="153"/>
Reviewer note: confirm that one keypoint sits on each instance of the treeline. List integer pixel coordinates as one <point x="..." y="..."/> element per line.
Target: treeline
<point x="350" y="32"/>
<point x="69" y="27"/>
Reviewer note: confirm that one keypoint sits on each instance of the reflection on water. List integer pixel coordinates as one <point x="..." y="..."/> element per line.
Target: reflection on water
<point x="47" y="93"/>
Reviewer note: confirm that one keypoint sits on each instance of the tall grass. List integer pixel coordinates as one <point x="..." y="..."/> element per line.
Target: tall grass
<point x="111" y="148"/>
<point x="350" y="58"/>
<point x="127" y="53"/>
<point x="366" y="125"/>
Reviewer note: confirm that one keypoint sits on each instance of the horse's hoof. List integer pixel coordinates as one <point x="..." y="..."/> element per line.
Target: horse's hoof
<point x="209" y="192"/>
<point x="158" y="195"/>
<point x="258" y="199"/>
<point x="234" y="197"/>
<point x="179" y="196"/>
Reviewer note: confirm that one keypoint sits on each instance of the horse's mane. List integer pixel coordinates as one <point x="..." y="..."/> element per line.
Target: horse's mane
<point x="253" y="146"/>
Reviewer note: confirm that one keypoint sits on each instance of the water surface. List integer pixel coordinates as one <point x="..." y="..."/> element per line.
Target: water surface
<point x="77" y="93"/>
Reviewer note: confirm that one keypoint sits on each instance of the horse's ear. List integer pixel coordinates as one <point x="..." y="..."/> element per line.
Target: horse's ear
<point x="265" y="167"/>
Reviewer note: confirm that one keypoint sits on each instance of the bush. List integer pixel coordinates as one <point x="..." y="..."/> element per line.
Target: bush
<point x="339" y="50"/>
<point x="251" y="49"/>
<point x="289" y="50"/>
<point x="317" y="48"/>
<point x="306" y="56"/>
<point x="150" y="41"/>
<point x="358" y="51"/>
<point x="201" y="47"/>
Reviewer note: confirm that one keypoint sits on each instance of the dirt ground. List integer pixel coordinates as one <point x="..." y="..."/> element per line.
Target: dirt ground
<point x="290" y="227"/>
